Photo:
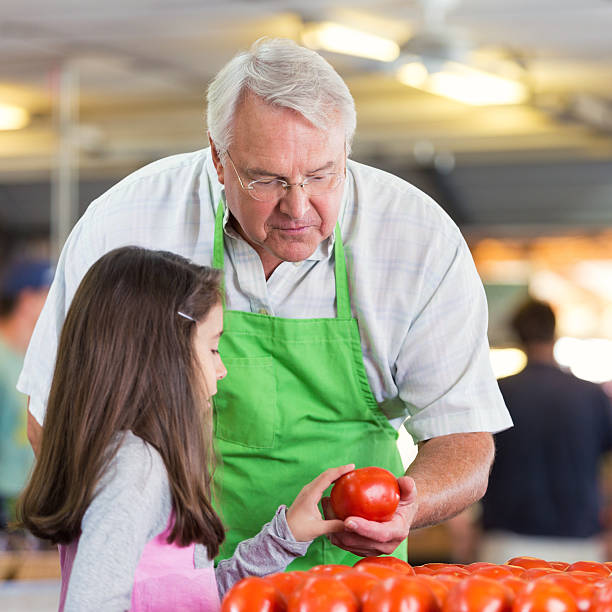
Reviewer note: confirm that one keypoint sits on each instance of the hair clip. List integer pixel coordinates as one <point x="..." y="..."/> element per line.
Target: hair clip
<point x="186" y="316"/>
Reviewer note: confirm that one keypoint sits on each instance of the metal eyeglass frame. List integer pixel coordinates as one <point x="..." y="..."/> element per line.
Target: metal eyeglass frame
<point x="284" y="184"/>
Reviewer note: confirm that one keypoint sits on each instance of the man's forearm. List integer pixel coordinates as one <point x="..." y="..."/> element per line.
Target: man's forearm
<point x="451" y="472"/>
<point x="34" y="431"/>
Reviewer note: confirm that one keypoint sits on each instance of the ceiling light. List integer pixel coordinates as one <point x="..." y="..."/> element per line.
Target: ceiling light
<point x="414" y="74"/>
<point x="342" y="39"/>
<point x="13" y="117"/>
<point x="463" y="83"/>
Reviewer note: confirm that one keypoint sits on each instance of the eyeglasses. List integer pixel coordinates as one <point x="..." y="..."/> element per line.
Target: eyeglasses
<point x="273" y="189"/>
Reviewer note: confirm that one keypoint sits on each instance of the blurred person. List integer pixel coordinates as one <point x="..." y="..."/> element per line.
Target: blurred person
<point x="23" y="289"/>
<point x="544" y="497"/>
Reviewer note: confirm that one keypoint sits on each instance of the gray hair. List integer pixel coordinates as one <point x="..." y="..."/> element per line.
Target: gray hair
<point x="283" y="74"/>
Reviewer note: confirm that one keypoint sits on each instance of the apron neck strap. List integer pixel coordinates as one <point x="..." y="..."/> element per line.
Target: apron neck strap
<point x="343" y="303"/>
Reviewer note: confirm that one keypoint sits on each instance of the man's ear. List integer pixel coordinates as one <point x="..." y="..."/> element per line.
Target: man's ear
<point x="217" y="161"/>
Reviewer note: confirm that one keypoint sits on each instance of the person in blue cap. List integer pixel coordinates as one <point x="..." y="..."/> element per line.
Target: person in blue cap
<point x="23" y="289"/>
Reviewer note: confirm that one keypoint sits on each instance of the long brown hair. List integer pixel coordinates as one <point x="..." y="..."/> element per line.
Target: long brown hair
<point x="126" y="361"/>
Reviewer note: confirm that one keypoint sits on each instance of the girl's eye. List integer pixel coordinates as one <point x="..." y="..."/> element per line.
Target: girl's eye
<point x="214" y="351"/>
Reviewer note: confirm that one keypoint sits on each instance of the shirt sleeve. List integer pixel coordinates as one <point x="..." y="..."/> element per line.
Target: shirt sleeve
<point x="447" y="384"/>
<point x="270" y="551"/>
<point x="83" y="247"/>
<point x="132" y="505"/>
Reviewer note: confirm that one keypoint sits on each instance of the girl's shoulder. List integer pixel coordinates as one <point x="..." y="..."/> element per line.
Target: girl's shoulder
<point x="137" y="465"/>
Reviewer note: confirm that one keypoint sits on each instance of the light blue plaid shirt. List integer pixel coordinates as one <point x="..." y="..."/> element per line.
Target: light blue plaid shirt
<point x="414" y="289"/>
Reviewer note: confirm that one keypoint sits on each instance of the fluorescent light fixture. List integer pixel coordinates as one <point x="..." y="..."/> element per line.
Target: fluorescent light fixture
<point x="507" y="361"/>
<point x="13" y="117"/>
<point x="463" y="83"/>
<point x="414" y="74"/>
<point x="342" y="39"/>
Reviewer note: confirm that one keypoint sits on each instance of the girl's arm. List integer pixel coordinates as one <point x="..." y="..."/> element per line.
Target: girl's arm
<point x="286" y="537"/>
<point x="131" y="506"/>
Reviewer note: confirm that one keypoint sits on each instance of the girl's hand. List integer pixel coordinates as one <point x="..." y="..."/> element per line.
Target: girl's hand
<point x="303" y="516"/>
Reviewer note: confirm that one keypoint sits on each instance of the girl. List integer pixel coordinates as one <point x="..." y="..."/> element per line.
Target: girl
<point x="124" y="474"/>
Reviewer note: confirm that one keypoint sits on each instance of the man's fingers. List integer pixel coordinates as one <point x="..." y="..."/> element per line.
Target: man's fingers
<point x="408" y="490"/>
<point x="328" y="511"/>
<point x="361" y="546"/>
<point x="372" y="530"/>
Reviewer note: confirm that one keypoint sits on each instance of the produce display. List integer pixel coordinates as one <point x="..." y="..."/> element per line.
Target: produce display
<point x="387" y="584"/>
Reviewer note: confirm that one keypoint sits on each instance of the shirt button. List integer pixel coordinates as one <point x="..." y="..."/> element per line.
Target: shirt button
<point x="263" y="311"/>
<point x="297" y="264"/>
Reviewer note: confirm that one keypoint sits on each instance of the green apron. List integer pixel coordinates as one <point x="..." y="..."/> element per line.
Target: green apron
<point x="295" y="402"/>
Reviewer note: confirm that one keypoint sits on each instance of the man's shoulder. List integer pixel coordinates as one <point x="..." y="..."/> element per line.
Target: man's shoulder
<point x="162" y="175"/>
<point x="382" y="179"/>
<point x="392" y="199"/>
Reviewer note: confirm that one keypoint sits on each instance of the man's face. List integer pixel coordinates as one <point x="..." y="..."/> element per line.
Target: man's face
<point x="273" y="143"/>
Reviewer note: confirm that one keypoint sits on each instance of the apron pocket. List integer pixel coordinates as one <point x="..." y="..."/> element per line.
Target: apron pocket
<point x="245" y="409"/>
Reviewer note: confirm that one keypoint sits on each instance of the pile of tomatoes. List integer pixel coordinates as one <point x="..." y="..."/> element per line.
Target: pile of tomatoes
<point x="386" y="584"/>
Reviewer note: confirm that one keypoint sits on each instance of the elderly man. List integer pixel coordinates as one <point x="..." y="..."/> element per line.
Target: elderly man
<point x="353" y="307"/>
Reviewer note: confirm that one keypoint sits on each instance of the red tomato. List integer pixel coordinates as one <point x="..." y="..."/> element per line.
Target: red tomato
<point x="452" y="570"/>
<point x="590" y="566"/>
<point x="590" y="577"/>
<point x="440" y="588"/>
<point x="448" y="579"/>
<point x="378" y="571"/>
<point x="322" y="593"/>
<point x="472" y="567"/>
<point x="401" y="593"/>
<point x="437" y="566"/>
<point x="422" y="570"/>
<point x="476" y="593"/>
<point x="286" y="582"/>
<point x="543" y="595"/>
<point x="371" y="492"/>
<point x="560" y="565"/>
<point x="513" y="582"/>
<point x="517" y="570"/>
<point x="392" y="562"/>
<point x="495" y="571"/>
<point x="528" y="562"/>
<point x="536" y="572"/>
<point x="602" y="598"/>
<point x="359" y="583"/>
<point x="329" y="568"/>
<point x="582" y="592"/>
<point x="253" y="595"/>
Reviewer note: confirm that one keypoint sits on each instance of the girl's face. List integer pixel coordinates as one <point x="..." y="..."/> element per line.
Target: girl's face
<point x="208" y="334"/>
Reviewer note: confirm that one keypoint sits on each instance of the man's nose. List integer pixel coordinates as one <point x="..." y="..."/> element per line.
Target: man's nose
<point x="295" y="202"/>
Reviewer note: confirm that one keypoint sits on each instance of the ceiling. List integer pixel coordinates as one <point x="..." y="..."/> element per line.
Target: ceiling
<point x="142" y="68"/>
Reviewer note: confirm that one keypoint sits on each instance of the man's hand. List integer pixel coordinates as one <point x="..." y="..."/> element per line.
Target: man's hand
<point x="451" y="473"/>
<point x="370" y="538"/>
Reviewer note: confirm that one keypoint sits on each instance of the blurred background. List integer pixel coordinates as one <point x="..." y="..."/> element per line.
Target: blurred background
<point x="500" y="110"/>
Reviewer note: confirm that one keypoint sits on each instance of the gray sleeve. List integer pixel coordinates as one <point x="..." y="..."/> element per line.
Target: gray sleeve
<point x="270" y="551"/>
<point x="131" y="506"/>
